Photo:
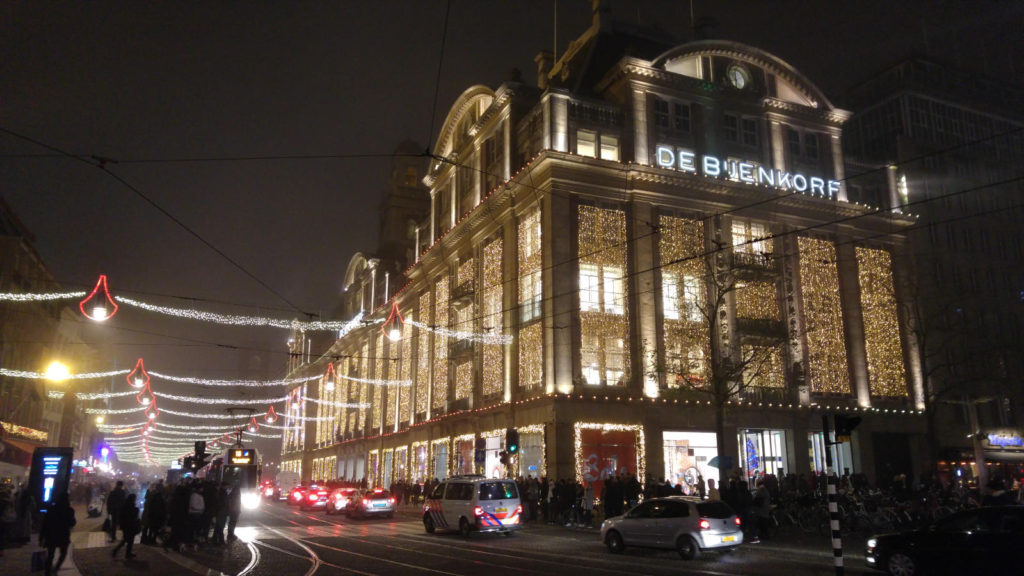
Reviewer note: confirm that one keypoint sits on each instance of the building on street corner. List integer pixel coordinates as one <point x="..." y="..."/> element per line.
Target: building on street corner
<point x="647" y="263"/>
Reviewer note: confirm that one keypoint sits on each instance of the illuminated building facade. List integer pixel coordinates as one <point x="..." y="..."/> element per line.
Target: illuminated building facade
<point x="601" y="249"/>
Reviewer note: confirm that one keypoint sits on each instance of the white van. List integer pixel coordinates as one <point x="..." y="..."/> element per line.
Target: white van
<point x="473" y="502"/>
<point x="285" y="482"/>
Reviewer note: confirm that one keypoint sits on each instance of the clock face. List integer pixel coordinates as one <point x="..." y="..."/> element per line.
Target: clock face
<point x="738" y="76"/>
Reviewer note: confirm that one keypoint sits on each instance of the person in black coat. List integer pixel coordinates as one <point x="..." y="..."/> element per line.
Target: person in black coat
<point x="56" y="532"/>
<point x="155" y="514"/>
<point x="129" y="521"/>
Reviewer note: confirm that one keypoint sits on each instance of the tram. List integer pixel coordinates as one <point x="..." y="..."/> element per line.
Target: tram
<point x="240" y="469"/>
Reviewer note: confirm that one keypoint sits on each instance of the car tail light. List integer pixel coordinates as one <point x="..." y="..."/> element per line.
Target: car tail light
<point x="269" y="492"/>
<point x="705" y="524"/>
<point x="478" y="511"/>
<point x="519" y="509"/>
<point x="737" y="520"/>
<point x="312" y="497"/>
<point x="366" y="501"/>
<point x="297" y="495"/>
<point x="391" y="500"/>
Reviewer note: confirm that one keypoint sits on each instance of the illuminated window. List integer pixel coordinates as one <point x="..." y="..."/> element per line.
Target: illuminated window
<point x="601" y="289"/>
<point x="750" y="238"/>
<point x="586" y="143"/>
<point x="609" y="147"/>
<point x="670" y="296"/>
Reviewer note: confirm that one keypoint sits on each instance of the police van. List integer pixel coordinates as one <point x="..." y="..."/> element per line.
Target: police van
<point x="473" y="503"/>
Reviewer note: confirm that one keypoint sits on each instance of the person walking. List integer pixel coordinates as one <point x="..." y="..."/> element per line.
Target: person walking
<point x="115" y="500"/>
<point x="129" y="521"/>
<point x="56" y="532"/>
<point x="155" y="514"/>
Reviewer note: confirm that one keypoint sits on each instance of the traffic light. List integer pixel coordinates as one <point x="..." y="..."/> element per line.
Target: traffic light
<point x="201" y="458"/>
<point x="512" y="441"/>
<point x="844" y="426"/>
<point x="188" y="463"/>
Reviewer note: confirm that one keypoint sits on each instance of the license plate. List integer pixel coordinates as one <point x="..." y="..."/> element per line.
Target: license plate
<point x="501" y="510"/>
<point x="728" y="538"/>
<point x="379" y="504"/>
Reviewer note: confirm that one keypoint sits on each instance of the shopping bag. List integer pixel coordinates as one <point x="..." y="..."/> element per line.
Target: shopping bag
<point x="38" y="560"/>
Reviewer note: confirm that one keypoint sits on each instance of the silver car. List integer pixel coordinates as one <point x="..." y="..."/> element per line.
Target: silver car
<point x="687" y="525"/>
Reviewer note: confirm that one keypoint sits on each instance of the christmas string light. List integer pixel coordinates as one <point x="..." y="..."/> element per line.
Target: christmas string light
<point x="483" y="338"/>
<point x="248" y="383"/>
<point x="58" y="394"/>
<point x="39" y="297"/>
<point x="376" y="382"/>
<point x="44" y="376"/>
<point x="228" y="416"/>
<point x="343" y="327"/>
<point x="107" y="411"/>
<point x="390" y="328"/>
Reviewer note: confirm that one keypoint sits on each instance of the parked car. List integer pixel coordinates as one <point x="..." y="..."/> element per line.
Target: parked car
<point x="473" y="503"/>
<point x="376" y="502"/>
<point x="986" y="540"/>
<point x="337" y="500"/>
<point x="314" y="498"/>
<point x="687" y="525"/>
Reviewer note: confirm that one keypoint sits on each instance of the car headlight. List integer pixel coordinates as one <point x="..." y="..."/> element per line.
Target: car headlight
<point x="250" y="500"/>
<point x="872" y="542"/>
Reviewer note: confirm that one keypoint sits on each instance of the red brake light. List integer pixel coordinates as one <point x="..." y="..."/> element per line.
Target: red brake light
<point x="704" y="524"/>
<point x="391" y="500"/>
<point x="478" y="511"/>
<point x="297" y="495"/>
<point x="312" y="497"/>
<point x="378" y="490"/>
<point x="736" y="520"/>
<point x="366" y="501"/>
<point x="519" y="509"/>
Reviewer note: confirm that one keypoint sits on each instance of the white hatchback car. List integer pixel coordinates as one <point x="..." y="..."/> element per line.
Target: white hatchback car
<point x="473" y="503"/>
<point x="687" y="525"/>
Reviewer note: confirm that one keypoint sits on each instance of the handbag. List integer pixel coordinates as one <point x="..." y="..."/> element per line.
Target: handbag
<point x="38" y="560"/>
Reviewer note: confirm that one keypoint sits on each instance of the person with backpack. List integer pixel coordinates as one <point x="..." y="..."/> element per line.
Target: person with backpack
<point x="130" y="526"/>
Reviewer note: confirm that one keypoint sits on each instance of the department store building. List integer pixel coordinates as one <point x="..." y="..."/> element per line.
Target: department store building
<point x="592" y="249"/>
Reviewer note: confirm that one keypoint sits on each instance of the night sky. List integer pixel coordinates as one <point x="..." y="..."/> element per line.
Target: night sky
<point x="149" y="84"/>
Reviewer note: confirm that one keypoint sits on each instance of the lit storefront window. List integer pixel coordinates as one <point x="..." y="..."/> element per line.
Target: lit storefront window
<point x="762" y="452"/>
<point x="531" y="453"/>
<point x="606" y="450"/>
<point x="842" y="456"/>
<point x="420" y="452"/>
<point x="687" y="455"/>
<point x="465" y="447"/>
<point x="401" y="463"/>
<point x="439" y="458"/>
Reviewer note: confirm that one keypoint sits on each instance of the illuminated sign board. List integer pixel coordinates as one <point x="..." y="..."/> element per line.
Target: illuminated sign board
<point x="240" y="456"/>
<point x="746" y="171"/>
<point x="1006" y="440"/>
<point x="50" y="474"/>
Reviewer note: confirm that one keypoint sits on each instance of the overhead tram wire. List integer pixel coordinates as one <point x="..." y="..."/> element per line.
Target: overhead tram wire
<point x="101" y="163"/>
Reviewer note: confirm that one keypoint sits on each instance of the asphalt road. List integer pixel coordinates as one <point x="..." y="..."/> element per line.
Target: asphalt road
<point x="281" y="540"/>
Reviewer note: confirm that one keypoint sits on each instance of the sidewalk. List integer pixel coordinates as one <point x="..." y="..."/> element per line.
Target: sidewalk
<point x="89" y="555"/>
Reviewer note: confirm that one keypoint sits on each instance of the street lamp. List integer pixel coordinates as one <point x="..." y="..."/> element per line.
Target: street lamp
<point x="57" y="372"/>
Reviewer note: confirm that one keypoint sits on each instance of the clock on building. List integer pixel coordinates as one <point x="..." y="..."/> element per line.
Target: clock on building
<point x="738" y="76"/>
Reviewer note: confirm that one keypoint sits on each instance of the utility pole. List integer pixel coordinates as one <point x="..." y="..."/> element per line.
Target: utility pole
<point x="833" y="506"/>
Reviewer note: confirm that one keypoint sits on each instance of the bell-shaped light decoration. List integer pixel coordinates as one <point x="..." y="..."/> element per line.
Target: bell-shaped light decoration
<point x="98" y="305"/>
<point x="271" y="415"/>
<point x="391" y="328"/>
<point x="144" y="400"/>
<point x="329" y="378"/>
<point x="253" y="426"/>
<point x="138" y="378"/>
